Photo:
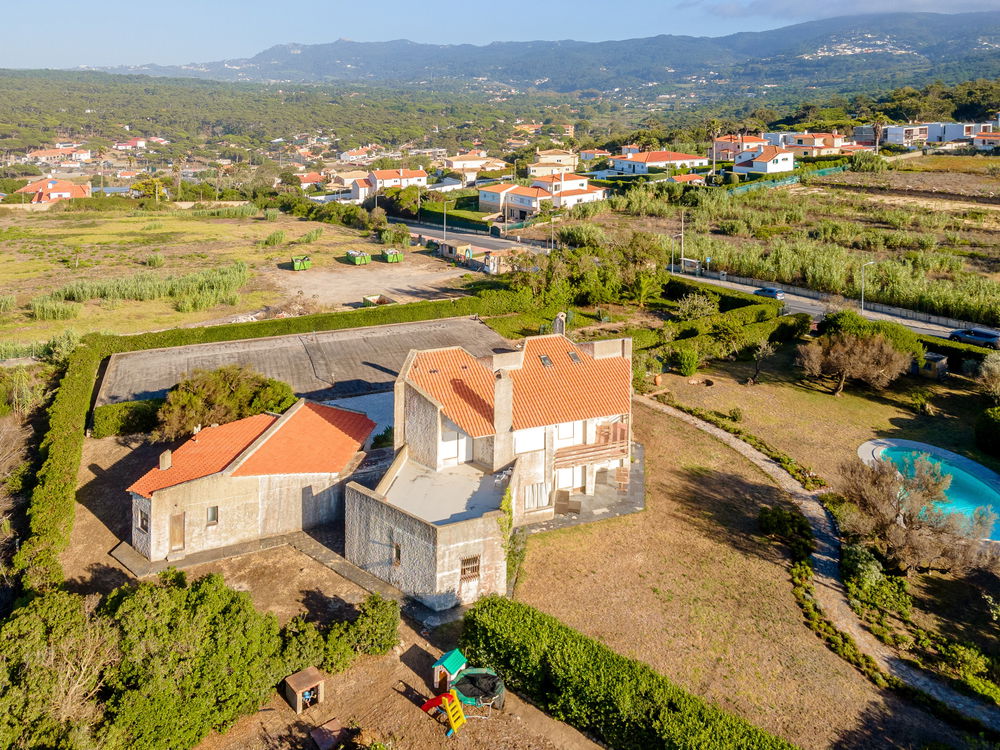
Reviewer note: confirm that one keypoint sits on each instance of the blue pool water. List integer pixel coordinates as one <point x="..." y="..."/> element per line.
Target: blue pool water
<point x="966" y="492"/>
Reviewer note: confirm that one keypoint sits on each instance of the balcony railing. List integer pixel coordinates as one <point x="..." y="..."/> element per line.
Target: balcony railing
<point x="578" y="455"/>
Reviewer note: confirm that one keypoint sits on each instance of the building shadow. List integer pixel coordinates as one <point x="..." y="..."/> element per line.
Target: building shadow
<point x="322" y="608"/>
<point x="100" y="579"/>
<point x="420" y="662"/>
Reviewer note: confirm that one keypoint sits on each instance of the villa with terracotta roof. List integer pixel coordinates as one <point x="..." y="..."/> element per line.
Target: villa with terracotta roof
<point x="726" y="147"/>
<point x="52" y="190"/>
<point x="547" y="425"/>
<point x="552" y="161"/>
<point x="250" y="479"/>
<point x="764" y="159"/>
<point x="641" y="162"/>
<point x="516" y="202"/>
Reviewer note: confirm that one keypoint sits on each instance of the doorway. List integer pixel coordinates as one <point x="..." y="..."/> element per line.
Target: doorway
<point x="176" y="532"/>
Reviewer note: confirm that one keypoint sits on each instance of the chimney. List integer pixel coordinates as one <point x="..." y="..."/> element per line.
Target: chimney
<point x="503" y="419"/>
<point x="166" y="460"/>
<point x="559" y="324"/>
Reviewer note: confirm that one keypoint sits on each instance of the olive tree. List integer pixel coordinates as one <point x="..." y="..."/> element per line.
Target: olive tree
<point x="872" y="360"/>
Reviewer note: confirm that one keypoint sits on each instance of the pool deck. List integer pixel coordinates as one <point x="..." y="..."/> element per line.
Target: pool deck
<point x="871" y="452"/>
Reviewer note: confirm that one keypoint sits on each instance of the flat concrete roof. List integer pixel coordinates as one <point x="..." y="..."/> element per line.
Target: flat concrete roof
<point x="319" y="366"/>
<point x="456" y="493"/>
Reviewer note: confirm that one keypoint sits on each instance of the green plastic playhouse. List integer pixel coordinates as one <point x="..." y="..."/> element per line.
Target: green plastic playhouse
<point x="301" y="262"/>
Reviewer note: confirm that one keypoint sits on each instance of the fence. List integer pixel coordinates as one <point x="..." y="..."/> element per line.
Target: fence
<point x="799" y="291"/>
<point x="790" y="180"/>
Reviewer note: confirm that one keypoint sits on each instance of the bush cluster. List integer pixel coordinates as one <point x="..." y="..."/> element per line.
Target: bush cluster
<point x="791" y="527"/>
<point x="581" y="681"/>
<point x="710" y="346"/>
<point x="125" y="418"/>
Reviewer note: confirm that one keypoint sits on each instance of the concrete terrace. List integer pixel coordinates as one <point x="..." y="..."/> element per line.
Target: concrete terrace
<point x="456" y="493"/>
<point x="318" y="366"/>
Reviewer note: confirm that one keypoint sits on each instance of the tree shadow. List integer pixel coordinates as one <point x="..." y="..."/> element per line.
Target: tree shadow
<point x="898" y="724"/>
<point x="322" y="608"/>
<point x="958" y="607"/>
<point x="100" y="579"/>
<point x="726" y="506"/>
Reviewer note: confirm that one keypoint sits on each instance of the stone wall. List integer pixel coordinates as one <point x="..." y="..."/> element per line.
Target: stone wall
<point x="467" y="539"/>
<point x="422" y="427"/>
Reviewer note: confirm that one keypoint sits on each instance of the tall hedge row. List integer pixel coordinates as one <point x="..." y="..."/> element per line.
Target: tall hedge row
<point x="742" y="315"/>
<point x="783" y="328"/>
<point x="729" y="299"/>
<point x="583" y="682"/>
<point x="50" y="512"/>
<point x="126" y="418"/>
<point x="956" y="352"/>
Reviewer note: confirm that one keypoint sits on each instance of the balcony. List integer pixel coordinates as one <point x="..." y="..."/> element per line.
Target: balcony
<point x="579" y="455"/>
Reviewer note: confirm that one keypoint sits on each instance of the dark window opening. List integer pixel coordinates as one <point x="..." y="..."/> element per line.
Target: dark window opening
<point x="213" y="515"/>
<point x="575" y="357"/>
<point x="470" y="568"/>
<point x="397" y="555"/>
<point x="143" y="521"/>
<point x="546" y="360"/>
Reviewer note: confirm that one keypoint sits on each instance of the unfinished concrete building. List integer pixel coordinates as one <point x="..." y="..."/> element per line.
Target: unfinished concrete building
<point x="549" y="423"/>
<point x="257" y="477"/>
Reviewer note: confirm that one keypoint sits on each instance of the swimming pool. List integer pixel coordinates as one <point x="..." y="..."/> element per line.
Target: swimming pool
<point x="972" y="485"/>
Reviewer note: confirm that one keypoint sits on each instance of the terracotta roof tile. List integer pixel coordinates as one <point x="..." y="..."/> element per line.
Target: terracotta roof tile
<point x="208" y="452"/>
<point x="460" y="383"/>
<point x="316" y="439"/>
<point x="648" y="157"/>
<point x="395" y="174"/>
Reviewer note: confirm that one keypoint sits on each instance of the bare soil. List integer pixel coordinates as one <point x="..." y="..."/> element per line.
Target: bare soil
<point x="691" y="589"/>
<point x="955" y="183"/>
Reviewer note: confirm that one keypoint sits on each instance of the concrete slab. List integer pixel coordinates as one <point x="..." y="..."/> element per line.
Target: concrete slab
<point x="456" y="493"/>
<point x="320" y="366"/>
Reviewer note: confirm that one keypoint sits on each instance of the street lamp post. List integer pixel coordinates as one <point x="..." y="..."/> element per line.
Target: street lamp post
<point x="869" y="263"/>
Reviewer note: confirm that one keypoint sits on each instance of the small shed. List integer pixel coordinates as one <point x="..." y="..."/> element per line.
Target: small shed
<point x="304" y="689"/>
<point x="935" y="366"/>
<point x="447" y="668"/>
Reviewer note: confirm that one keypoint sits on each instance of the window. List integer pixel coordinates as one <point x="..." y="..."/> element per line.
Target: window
<point x="470" y="568"/>
<point x="143" y="521"/>
<point x="213" y="515"/>
<point x="535" y="496"/>
<point x="397" y="555"/>
<point x="566" y="430"/>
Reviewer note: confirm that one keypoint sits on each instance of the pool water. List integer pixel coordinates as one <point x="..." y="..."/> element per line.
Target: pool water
<point x="966" y="492"/>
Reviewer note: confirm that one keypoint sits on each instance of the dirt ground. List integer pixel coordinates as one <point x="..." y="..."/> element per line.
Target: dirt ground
<point x="689" y="588"/>
<point x="957" y="183"/>
<point x="341" y="285"/>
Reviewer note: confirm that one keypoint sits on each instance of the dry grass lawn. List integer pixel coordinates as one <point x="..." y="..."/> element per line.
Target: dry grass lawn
<point x="689" y="588"/>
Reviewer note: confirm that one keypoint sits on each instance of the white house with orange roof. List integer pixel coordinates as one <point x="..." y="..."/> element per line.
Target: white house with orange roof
<point x="517" y="202"/>
<point x="58" y="155"/>
<point x="642" y="161"/>
<point x="254" y="478"/>
<point x="815" y="144"/>
<point x="470" y="164"/>
<point x="546" y="426"/>
<point x="52" y="190"/>
<point x="764" y="160"/>
<point x="727" y="147"/>
<point x="986" y="141"/>
<point x="381" y="179"/>
<point x="552" y="161"/>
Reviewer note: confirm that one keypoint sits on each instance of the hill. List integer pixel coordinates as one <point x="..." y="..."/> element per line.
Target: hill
<point x="878" y="49"/>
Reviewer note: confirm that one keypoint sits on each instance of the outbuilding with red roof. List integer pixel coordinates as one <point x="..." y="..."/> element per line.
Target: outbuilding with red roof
<point x="254" y="478"/>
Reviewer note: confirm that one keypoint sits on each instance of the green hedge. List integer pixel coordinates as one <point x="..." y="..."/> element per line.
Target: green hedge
<point x="988" y="431"/>
<point x="125" y="418"/>
<point x="742" y="315"/>
<point x="729" y="299"/>
<point x="581" y="681"/>
<point x="50" y="512"/>
<point x="956" y="352"/>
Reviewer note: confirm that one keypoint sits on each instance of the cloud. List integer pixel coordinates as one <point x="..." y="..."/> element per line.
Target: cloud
<point x="795" y="10"/>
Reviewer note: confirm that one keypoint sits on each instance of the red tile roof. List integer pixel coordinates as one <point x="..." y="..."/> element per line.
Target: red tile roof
<point x="497" y="188"/>
<point x="559" y="177"/>
<point x="544" y="394"/>
<point x="315" y="439"/>
<point x="208" y="452"/>
<point x="567" y="391"/>
<point x="656" y="157"/>
<point x="987" y="136"/>
<point x="310" y="177"/>
<point x="768" y="153"/>
<point x="741" y="139"/>
<point x="531" y="192"/>
<point x="460" y="383"/>
<point x="688" y="178"/>
<point x="309" y="439"/>
<point x="43" y="190"/>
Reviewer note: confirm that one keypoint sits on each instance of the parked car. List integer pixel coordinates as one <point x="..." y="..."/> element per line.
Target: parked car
<point x="978" y="336"/>
<point x="770" y="291"/>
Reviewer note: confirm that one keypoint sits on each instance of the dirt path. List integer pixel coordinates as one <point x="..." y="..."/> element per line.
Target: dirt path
<point x="829" y="586"/>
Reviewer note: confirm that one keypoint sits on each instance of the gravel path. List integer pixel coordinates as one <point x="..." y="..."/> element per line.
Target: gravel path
<point x="829" y="587"/>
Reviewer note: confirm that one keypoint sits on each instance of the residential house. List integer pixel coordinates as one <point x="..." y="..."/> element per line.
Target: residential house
<point x="593" y="154"/>
<point x="910" y="136"/>
<point x="381" y="179"/>
<point x="255" y="478"/>
<point x="631" y="148"/>
<point x="547" y="425"/>
<point x="552" y="161"/>
<point x="470" y="164"/>
<point x="726" y="147"/>
<point x="136" y="144"/>
<point x="945" y="132"/>
<point x="642" y="161"/>
<point x="986" y="141"/>
<point x="517" y="202"/>
<point x="311" y="180"/>
<point x="815" y="144"/>
<point x="51" y="190"/>
<point x="764" y="160"/>
<point x="58" y="155"/>
<point x="531" y="128"/>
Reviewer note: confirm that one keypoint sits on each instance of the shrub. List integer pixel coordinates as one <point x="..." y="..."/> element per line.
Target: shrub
<point x="867" y="583"/>
<point x="687" y="361"/>
<point x="581" y="681"/>
<point x="988" y="431"/>
<point x="957" y="352"/>
<point x="154" y="260"/>
<point x="395" y="234"/>
<point x="47" y="308"/>
<point x="311" y="236"/>
<point x="126" y="418"/>
<point x="735" y="414"/>
<point x="7" y="303"/>
<point x="376" y="630"/>
<point x="582" y="235"/>
<point x="791" y="527"/>
<point x="271" y="214"/>
<point x="274" y="238"/>
<point x="338" y="651"/>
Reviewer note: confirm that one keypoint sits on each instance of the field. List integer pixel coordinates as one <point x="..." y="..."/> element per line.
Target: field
<point x="44" y="253"/>
<point x="978" y="164"/>
<point x="956" y="175"/>
<point x="690" y="588"/>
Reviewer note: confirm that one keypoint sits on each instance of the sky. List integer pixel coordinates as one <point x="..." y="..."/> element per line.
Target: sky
<point x="105" y="33"/>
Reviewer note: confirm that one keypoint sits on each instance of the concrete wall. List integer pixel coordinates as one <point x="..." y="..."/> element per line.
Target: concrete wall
<point x="140" y="538"/>
<point x="422" y="428"/>
<point x="373" y="528"/>
<point x="475" y="537"/>
<point x="249" y="508"/>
